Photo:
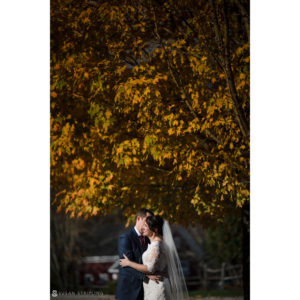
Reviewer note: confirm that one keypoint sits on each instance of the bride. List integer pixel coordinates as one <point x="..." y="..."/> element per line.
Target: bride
<point x="160" y="254"/>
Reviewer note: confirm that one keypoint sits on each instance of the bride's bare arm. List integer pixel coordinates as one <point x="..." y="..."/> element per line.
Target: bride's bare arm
<point x="125" y="262"/>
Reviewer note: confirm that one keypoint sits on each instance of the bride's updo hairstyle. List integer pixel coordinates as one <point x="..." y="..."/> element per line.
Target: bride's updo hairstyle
<point x="155" y="222"/>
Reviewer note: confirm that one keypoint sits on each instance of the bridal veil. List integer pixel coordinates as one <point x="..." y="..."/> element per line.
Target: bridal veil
<point x="176" y="290"/>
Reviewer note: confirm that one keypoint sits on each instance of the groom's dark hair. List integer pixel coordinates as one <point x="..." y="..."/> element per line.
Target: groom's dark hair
<point x="143" y="212"/>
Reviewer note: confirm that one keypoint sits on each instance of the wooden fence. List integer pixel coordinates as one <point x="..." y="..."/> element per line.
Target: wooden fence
<point x="221" y="276"/>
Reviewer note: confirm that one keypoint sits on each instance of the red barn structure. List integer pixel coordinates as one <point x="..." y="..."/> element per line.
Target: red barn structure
<point x="93" y="270"/>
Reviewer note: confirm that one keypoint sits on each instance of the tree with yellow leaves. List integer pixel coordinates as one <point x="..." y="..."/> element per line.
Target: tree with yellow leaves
<point x="150" y="107"/>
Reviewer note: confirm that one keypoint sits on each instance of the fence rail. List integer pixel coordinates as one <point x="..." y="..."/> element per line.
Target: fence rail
<point x="223" y="274"/>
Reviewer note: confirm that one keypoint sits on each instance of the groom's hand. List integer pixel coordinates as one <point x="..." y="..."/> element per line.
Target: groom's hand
<point x="159" y="276"/>
<point x="156" y="278"/>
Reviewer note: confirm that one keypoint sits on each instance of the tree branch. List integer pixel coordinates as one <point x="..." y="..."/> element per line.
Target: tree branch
<point x="224" y="48"/>
<point x="245" y="17"/>
<point x="179" y="85"/>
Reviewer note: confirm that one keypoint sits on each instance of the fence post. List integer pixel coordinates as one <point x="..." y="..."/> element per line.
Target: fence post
<point x="204" y="277"/>
<point x="222" y="275"/>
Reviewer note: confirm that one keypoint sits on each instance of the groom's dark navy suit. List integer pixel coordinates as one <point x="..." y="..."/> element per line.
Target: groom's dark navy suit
<point x="130" y="281"/>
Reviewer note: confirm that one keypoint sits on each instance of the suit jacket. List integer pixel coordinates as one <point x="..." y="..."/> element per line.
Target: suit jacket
<point x="130" y="281"/>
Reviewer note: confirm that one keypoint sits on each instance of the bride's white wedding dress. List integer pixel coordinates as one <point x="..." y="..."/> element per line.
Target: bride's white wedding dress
<point x="157" y="257"/>
<point x="155" y="260"/>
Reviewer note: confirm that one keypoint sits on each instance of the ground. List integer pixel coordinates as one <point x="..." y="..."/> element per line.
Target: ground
<point x="108" y="297"/>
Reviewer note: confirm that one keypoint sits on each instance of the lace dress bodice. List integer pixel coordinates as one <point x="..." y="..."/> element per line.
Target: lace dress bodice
<point x="154" y="257"/>
<point x="155" y="260"/>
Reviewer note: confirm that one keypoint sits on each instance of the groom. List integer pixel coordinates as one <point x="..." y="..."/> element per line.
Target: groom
<point x="133" y="244"/>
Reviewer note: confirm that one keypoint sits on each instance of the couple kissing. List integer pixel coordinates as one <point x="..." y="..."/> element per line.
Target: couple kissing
<point x="150" y="268"/>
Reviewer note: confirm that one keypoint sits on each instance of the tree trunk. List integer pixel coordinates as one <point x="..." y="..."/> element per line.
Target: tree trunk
<point x="246" y="249"/>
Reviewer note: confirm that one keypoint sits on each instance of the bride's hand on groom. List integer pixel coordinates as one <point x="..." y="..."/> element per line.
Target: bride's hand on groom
<point x="124" y="262"/>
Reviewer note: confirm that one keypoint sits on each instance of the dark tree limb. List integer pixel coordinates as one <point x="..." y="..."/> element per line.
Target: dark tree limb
<point x="224" y="49"/>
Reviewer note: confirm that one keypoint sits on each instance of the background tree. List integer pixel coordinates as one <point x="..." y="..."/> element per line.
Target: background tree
<point x="143" y="110"/>
<point x="64" y="252"/>
<point x="223" y="242"/>
<point x="150" y="107"/>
